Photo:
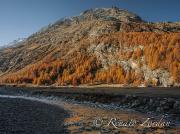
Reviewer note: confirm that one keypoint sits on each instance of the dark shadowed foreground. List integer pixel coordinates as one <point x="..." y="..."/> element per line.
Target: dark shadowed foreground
<point x="20" y="116"/>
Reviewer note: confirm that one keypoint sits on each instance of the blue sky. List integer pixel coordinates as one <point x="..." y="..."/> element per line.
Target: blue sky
<point x="21" y="18"/>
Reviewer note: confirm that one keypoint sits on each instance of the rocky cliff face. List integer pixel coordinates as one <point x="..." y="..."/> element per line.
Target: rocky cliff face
<point x="99" y="33"/>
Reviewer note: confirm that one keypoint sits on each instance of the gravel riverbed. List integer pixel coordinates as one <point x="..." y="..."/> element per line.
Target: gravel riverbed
<point x="26" y="112"/>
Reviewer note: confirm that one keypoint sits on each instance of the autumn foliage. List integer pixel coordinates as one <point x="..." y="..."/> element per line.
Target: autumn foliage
<point x="160" y="51"/>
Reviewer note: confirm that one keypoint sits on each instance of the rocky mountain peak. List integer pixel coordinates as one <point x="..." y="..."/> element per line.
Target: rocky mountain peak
<point x="113" y="13"/>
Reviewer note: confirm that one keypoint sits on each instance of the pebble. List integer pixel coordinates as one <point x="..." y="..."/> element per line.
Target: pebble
<point x="116" y="131"/>
<point x="105" y="130"/>
<point x="88" y="129"/>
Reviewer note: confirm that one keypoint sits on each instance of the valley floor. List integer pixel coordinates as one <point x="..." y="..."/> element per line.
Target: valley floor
<point x="86" y="111"/>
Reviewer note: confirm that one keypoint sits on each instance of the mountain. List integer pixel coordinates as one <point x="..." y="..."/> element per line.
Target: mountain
<point x="14" y="43"/>
<point x="100" y="46"/>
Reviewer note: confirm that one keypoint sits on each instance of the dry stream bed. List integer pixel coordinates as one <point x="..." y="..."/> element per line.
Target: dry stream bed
<point x="44" y="110"/>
